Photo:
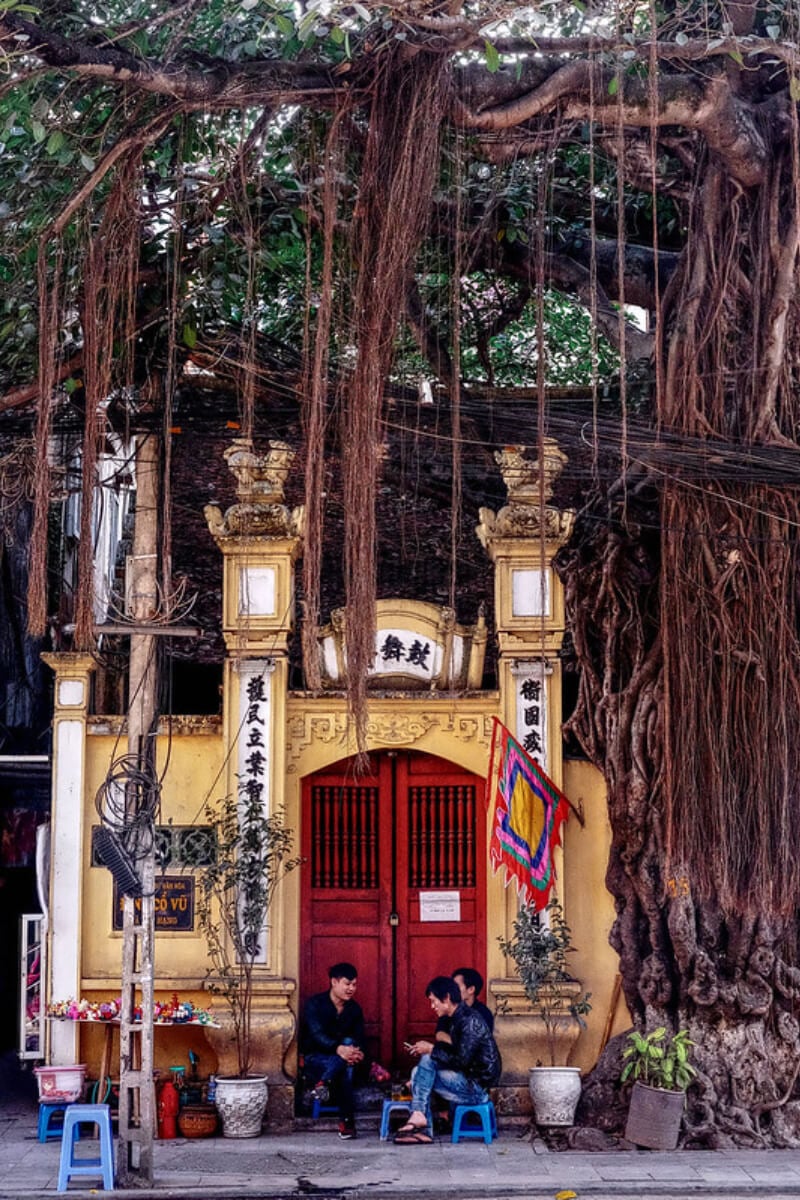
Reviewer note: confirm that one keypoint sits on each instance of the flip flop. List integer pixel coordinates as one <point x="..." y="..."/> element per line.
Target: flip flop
<point x="413" y="1135"/>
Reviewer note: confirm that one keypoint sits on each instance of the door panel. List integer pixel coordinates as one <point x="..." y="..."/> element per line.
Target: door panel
<point x="345" y="892"/>
<point x="371" y="846"/>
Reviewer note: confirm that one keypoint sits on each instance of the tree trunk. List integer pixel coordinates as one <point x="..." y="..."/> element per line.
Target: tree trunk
<point x="682" y="602"/>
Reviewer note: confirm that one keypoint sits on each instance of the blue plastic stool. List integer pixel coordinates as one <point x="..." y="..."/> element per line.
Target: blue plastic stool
<point x="392" y="1106"/>
<point x="48" y="1109"/>
<point x="318" y="1109"/>
<point x="71" y="1164"/>
<point x="389" y="1107"/>
<point x="485" y="1132"/>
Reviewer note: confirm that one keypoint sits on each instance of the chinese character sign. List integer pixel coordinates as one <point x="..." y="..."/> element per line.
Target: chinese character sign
<point x="254" y="750"/>
<point x="401" y="650"/>
<point x="531" y="713"/>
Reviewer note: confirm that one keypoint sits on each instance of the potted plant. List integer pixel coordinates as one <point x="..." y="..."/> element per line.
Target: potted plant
<point x="658" y="1063"/>
<point x="539" y="947"/>
<point x="236" y="891"/>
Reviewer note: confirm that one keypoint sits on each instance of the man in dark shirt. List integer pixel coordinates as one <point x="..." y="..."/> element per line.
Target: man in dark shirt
<point x="332" y="1042"/>
<point x="469" y="983"/>
<point x="460" y="1070"/>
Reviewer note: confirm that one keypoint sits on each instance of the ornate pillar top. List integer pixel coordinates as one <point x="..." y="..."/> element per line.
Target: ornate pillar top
<point x="260" y="481"/>
<point x="530" y="486"/>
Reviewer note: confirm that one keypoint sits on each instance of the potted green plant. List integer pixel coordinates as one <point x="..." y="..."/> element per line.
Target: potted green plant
<point x="253" y="854"/>
<point x="540" y="946"/>
<point x="658" y="1064"/>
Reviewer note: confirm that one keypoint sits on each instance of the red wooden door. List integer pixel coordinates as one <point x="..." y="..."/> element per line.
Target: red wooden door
<point x="384" y="855"/>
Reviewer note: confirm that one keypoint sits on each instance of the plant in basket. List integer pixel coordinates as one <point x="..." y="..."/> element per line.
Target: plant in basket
<point x="658" y="1064"/>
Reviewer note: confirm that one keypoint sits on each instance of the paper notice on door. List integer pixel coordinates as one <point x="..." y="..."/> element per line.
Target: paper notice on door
<point x="440" y="906"/>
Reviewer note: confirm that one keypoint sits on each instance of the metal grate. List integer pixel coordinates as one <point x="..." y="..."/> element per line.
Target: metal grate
<point x="441" y="837"/>
<point x="344" y="851"/>
<point x="175" y="846"/>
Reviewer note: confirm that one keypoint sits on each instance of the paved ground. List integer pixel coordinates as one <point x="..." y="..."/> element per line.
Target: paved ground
<point x="317" y="1164"/>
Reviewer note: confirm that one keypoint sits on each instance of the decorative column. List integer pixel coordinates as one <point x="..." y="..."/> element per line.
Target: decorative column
<point x="522" y="540"/>
<point x="260" y="539"/>
<point x="72" y="687"/>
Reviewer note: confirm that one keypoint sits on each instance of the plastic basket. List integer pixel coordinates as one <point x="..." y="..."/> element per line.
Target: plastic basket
<point x="61" y="1083"/>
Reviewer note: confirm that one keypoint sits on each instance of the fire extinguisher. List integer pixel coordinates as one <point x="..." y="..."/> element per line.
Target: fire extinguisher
<point x="168" y="1106"/>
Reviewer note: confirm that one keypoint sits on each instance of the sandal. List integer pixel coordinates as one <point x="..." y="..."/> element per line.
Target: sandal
<point x="413" y="1135"/>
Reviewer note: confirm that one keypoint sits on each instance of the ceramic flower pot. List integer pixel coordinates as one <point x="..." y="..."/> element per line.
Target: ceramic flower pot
<point x="555" y="1092"/>
<point x="241" y="1104"/>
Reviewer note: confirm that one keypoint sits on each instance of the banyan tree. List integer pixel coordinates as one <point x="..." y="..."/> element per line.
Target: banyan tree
<point x="482" y="200"/>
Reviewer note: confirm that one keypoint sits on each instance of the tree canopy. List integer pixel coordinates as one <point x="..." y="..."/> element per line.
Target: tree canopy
<point x="341" y="205"/>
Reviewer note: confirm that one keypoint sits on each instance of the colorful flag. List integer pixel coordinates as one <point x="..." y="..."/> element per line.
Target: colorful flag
<point x="528" y="813"/>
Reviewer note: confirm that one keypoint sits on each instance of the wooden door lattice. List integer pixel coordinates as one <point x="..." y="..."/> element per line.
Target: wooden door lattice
<point x="345" y="842"/>
<point x="441" y="836"/>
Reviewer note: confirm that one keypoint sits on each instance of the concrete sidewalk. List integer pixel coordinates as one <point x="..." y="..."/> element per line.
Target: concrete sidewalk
<point x="319" y="1164"/>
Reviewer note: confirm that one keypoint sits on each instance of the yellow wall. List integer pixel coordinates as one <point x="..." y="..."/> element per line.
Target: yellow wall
<point x="192" y="757"/>
<point x="589" y="907"/>
<point x="317" y="736"/>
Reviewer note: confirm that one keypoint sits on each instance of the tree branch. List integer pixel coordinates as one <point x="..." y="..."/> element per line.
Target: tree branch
<point x="580" y="91"/>
<point x="220" y="83"/>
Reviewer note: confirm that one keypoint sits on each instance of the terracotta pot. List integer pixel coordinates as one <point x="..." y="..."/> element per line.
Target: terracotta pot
<point x="197" y="1120"/>
<point x="654" y="1117"/>
<point x="555" y="1092"/>
<point x="241" y="1103"/>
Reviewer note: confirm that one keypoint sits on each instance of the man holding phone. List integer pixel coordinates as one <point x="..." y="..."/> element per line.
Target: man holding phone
<point x="460" y="1070"/>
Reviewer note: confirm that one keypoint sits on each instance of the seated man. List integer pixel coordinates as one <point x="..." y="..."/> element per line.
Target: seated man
<point x="332" y="1042"/>
<point x="461" y="1070"/>
<point x="469" y="983"/>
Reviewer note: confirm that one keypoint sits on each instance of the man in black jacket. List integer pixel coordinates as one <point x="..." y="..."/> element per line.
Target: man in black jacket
<point x="469" y="983"/>
<point x="332" y="1042"/>
<point x="461" y="1070"/>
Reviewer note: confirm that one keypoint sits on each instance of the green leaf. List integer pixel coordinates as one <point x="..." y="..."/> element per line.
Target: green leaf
<point x="87" y="162"/>
<point x="39" y="131"/>
<point x="189" y="336"/>
<point x="492" y="57"/>
<point x="736" y="55"/>
<point x="284" y="25"/>
<point x="55" y="142"/>
<point x="613" y="86"/>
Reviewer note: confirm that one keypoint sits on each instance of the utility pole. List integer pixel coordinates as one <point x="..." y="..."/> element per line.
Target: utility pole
<point x="136" y="1090"/>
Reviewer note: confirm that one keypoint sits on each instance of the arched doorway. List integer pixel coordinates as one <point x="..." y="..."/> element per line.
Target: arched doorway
<point x="394" y="881"/>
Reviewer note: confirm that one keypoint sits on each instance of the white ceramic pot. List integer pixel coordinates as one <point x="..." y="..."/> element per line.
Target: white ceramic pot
<point x="241" y="1104"/>
<point x="555" y="1092"/>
